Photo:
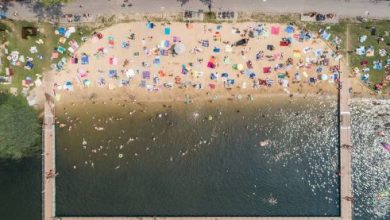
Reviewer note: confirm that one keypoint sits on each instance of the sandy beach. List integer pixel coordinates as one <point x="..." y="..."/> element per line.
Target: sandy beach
<point x="197" y="61"/>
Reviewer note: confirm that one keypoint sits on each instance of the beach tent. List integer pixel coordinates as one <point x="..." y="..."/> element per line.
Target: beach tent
<point x="61" y="49"/>
<point x="326" y="35"/>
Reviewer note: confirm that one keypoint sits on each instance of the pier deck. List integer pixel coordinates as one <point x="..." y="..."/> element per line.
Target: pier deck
<point x="48" y="200"/>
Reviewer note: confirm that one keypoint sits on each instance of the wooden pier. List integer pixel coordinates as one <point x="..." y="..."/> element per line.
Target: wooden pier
<point x="49" y="153"/>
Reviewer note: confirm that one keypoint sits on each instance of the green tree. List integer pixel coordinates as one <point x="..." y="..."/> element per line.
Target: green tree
<point x="20" y="130"/>
<point x="49" y="3"/>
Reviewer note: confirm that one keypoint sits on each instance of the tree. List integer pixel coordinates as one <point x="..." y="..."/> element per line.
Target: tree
<point x="20" y="130"/>
<point x="49" y="3"/>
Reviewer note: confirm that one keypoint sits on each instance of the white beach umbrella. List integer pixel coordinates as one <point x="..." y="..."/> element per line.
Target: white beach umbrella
<point x="179" y="48"/>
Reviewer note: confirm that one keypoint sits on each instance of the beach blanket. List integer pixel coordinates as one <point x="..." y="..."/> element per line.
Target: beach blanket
<point x="112" y="73"/>
<point x="84" y="59"/>
<point x="275" y="30"/>
<point x="167" y="31"/>
<point x="289" y="29"/>
<point x="266" y="69"/>
<point x="145" y="75"/>
<point x="113" y="61"/>
<point x="326" y="35"/>
<point x="176" y="39"/>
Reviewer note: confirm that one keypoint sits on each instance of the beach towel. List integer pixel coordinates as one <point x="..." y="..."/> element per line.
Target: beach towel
<point x="145" y="75"/>
<point x="275" y="30"/>
<point x="113" y="61"/>
<point x="211" y="65"/>
<point x="112" y="73"/>
<point x="167" y="31"/>
<point x="61" y="31"/>
<point x="289" y="29"/>
<point x="205" y="43"/>
<point x="156" y="61"/>
<point x="74" y="60"/>
<point x="216" y="50"/>
<point x="326" y="35"/>
<point x="84" y="59"/>
<point x="176" y="39"/>
<point x="87" y="82"/>
<point x="61" y="50"/>
<point x="150" y="25"/>
<point x="213" y="76"/>
<point x="361" y="50"/>
<point x="266" y="69"/>
<point x="164" y="52"/>
<point x="54" y="55"/>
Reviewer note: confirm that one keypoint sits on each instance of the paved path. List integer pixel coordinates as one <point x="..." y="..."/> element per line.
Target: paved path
<point x="345" y="8"/>
<point x="201" y="218"/>
<point x="48" y="201"/>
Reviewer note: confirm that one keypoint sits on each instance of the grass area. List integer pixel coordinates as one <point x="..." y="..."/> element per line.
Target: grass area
<point x="14" y="42"/>
<point x="359" y="29"/>
<point x="337" y="29"/>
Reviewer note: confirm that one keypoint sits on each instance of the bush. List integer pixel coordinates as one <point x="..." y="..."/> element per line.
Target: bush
<point x="20" y="130"/>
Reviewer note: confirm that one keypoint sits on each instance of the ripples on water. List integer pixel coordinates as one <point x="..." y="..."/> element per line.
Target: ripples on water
<point x="205" y="159"/>
<point x="371" y="163"/>
<point x="319" y="146"/>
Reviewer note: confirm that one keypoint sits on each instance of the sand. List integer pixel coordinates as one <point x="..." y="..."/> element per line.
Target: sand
<point x="199" y="73"/>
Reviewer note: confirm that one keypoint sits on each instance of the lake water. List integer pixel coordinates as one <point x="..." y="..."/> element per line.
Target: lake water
<point x="230" y="174"/>
<point x="201" y="159"/>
